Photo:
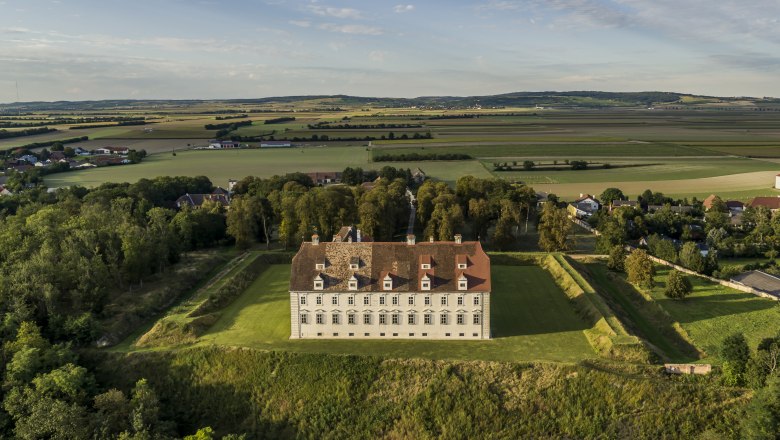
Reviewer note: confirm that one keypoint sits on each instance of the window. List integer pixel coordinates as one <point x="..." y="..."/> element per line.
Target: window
<point x="366" y="319"/>
<point x="425" y="334"/>
<point x="461" y="334"/>
<point x="319" y="300"/>
<point x="335" y="319"/>
<point x="351" y="334"/>
<point x="353" y="284"/>
<point x="319" y="266"/>
<point x="365" y="301"/>
<point x="318" y="284"/>
<point x="410" y="319"/>
<point x="425" y="285"/>
<point x="476" y="319"/>
<point x="443" y="319"/>
<point x="388" y="285"/>
<point x="427" y="300"/>
<point x="335" y="334"/>
<point x="476" y="300"/>
<point x="463" y="285"/>
<point x="334" y="300"/>
<point x="366" y="334"/>
<point x="461" y="265"/>
<point x="395" y="300"/>
<point x="351" y="300"/>
<point x="395" y="334"/>
<point x="411" y="300"/>
<point x="475" y="335"/>
<point x="460" y="319"/>
<point x="428" y="319"/>
<point x="382" y="319"/>
<point x="351" y="318"/>
<point x="395" y="318"/>
<point x="320" y="318"/>
<point x="446" y="334"/>
<point x="353" y="266"/>
<point x="304" y="318"/>
<point x="381" y="300"/>
<point x="425" y="266"/>
<point x="460" y="300"/>
<point x="411" y="334"/>
<point x="443" y="300"/>
<point x="303" y="300"/>
<point x="381" y="334"/>
<point x="319" y="333"/>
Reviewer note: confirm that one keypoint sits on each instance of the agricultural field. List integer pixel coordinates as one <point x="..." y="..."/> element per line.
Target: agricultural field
<point x="535" y="323"/>
<point x="682" y="153"/>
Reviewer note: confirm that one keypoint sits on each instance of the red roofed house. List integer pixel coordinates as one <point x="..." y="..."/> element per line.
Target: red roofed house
<point x="375" y="290"/>
<point x="772" y="203"/>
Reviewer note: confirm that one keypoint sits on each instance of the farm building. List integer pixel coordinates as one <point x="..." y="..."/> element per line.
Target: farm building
<point x="218" y="145"/>
<point x="777" y="181"/>
<point x="122" y="151"/>
<point x="760" y="281"/>
<point x="374" y="290"/>
<point x="275" y="144"/>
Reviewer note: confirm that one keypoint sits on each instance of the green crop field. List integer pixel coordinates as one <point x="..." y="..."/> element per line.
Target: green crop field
<point x="570" y="150"/>
<point x="220" y="166"/>
<point x="713" y="312"/>
<point x="531" y="320"/>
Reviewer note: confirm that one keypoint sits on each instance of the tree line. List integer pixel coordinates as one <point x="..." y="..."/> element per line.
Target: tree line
<point x="414" y="157"/>
<point x="5" y="134"/>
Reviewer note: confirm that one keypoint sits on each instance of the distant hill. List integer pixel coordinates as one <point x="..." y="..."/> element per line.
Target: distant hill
<point x="571" y="99"/>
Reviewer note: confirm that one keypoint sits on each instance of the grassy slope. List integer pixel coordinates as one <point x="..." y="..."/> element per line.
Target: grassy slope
<point x="713" y="312"/>
<point x="532" y="320"/>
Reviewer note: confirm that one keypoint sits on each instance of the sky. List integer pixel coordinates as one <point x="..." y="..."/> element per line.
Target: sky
<point x="172" y="49"/>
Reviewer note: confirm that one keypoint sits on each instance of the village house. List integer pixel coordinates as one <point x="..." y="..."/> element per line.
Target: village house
<point x="325" y="177"/>
<point x="418" y="176"/>
<point x="623" y="204"/>
<point x="219" y="195"/>
<point x="585" y="206"/>
<point x="395" y="290"/>
<point x="350" y="234"/>
<point x="771" y="203"/>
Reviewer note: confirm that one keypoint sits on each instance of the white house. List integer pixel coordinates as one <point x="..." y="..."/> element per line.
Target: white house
<point x="378" y="290"/>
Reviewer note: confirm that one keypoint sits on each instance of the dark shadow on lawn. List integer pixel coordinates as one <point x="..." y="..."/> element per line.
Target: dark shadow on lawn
<point x="713" y="306"/>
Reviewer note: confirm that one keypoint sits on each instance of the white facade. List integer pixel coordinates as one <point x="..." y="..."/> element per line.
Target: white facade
<point x="777" y="181"/>
<point x="392" y="315"/>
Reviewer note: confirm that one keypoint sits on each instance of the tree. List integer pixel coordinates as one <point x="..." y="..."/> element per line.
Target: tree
<point x="662" y="248"/>
<point x="690" y="257"/>
<point x="528" y="165"/>
<point x="242" y="222"/>
<point x="640" y="269"/>
<point x="735" y="354"/>
<point x="611" y="233"/>
<point x="678" y="286"/>
<point x="554" y="227"/>
<point x="762" y="415"/>
<point x="611" y="194"/>
<point x="617" y="258"/>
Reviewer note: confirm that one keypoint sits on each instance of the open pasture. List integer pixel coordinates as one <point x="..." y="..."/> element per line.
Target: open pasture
<point x="529" y="324"/>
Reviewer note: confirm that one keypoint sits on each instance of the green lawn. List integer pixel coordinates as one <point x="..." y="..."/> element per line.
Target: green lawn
<point x="713" y="312"/>
<point x="531" y="321"/>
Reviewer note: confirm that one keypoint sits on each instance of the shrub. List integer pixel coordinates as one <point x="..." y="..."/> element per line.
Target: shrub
<point x="678" y="286"/>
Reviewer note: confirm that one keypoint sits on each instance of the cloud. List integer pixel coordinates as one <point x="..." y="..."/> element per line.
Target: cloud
<point x="300" y="23"/>
<point x="400" y="9"/>
<point x="356" y="29"/>
<point x="326" y="11"/>
<point x="377" y="56"/>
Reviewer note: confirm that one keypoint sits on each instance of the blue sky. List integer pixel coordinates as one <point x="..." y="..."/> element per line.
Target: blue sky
<point x="77" y="49"/>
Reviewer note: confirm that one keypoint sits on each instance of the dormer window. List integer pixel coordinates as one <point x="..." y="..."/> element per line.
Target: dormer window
<point x="319" y="283"/>
<point x="425" y="261"/>
<point x="425" y="282"/>
<point x="320" y="265"/>
<point x="387" y="283"/>
<point x="353" y="283"/>
<point x="354" y="263"/>
<point x="463" y="283"/>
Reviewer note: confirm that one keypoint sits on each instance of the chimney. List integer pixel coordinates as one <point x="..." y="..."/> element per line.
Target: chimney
<point x="458" y="239"/>
<point x="430" y="238"/>
<point x="410" y="238"/>
<point x="315" y="239"/>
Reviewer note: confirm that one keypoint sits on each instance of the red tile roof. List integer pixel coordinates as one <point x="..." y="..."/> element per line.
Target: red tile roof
<point x="769" y="202"/>
<point x="399" y="259"/>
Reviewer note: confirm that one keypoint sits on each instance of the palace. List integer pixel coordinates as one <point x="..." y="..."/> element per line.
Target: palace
<point x="357" y="289"/>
